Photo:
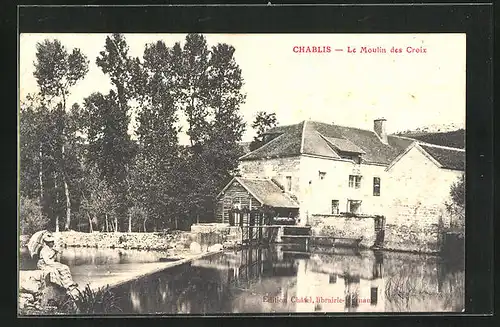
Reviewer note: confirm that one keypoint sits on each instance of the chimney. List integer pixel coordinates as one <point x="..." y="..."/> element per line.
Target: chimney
<point x="379" y="128"/>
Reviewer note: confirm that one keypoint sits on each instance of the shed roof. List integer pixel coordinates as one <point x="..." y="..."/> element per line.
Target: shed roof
<point x="266" y="192"/>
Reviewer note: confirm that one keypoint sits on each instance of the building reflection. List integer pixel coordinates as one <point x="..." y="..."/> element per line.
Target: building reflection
<point x="346" y="283"/>
<point x="281" y="279"/>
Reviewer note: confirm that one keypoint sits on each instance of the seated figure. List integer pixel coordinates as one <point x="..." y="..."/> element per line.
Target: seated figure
<point x="59" y="273"/>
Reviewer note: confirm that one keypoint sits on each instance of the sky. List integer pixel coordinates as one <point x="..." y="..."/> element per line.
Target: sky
<point x="409" y="90"/>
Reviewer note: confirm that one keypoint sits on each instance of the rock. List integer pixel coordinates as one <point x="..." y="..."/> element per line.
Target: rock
<point x="52" y="294"/>
<point x="195" y="248"/>
<point x="215" y="248"/>
<point x="31" y="281"/>
<point x="25" y="300"/>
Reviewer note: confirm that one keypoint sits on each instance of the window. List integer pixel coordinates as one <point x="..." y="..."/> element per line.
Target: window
<point x="332" y="279"/>
<point x="322" y="175"/>
<point x="349" y="156"/>
<point x="354" y="181"/>
<point x="373" y="295"/>
<point x="289" y="183"/>
<point x="237" y="203"/>
<point x="376" y="186"/>
<point x="354" y="206"/>
<point x="335" y="207"/>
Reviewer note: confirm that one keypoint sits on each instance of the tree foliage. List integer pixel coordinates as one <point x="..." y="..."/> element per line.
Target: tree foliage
<point x="456" y="208"/>
<point x="98" y="201"/>
<point x="262" y="122"/>
<point x="31" y="216"/>
<point x="56" y="72"/>
<point x="84" y="158"/>
<point x="210" y="96"/>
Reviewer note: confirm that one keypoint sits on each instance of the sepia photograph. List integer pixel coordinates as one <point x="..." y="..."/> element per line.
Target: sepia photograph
<point x="203" y="173"/>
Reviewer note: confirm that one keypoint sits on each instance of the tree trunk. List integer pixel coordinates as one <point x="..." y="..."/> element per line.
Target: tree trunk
<point x="91" y="230"/>
<point x="116" y="224"/>
<point x="62" y="166"/>
<point x="68" y="205"/>
<point x="40" y="173"/>
<point x="176" y="222"/>
<point x="145" y="224"/>
<point x="129" y="223"/>
<point x="57" y="203"/>
<point x="107" y="224"/>
<point x="66" y="191"/>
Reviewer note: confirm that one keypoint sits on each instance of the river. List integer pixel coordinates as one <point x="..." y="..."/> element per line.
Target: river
<point x="279" y="279"/>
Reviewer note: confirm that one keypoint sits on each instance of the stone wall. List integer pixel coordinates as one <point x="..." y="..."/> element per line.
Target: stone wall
<point x="276" y="168"/>
<point x="414" y="227"/>
<point x="209" y="227"/>
<point x="346" y="227"/>
<point x="423" y="214"/>
<point x="412" y="237"/>
<point x="144" y="241"/>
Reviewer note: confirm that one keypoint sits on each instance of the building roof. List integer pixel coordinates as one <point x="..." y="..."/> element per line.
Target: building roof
<point x="443" y="157"/>
<point x="266" y="192"/>
<point x="326" y="140"/>
<point x="344" y="145"/>
<point x="449" y="158"/>
<point x="454" y="139"/>
<point x="286" y="144"/>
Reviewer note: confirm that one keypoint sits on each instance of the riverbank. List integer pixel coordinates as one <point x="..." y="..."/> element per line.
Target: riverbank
<point x="38" y="298"/>
<point x="176" y="246"/>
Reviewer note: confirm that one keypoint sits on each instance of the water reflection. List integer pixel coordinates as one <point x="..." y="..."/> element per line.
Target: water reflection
<point x="92" y="256"/>
<point x="281" y="279"/>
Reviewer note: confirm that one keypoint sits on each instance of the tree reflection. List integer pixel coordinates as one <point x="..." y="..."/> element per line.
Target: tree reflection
<point x="239" y="281"/>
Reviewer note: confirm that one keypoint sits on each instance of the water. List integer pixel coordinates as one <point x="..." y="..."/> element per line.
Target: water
<point x="279" y="280"/>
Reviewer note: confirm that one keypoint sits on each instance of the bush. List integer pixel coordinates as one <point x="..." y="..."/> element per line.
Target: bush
<point x="456" y="208"/>
<point x="31" y="218"/>
<point x="89" y="301"/>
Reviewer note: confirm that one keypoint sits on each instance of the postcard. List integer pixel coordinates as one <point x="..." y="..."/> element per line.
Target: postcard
<point x="212" y="173"/>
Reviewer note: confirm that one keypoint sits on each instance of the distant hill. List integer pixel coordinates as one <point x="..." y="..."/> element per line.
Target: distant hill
<point x="454" y="139"/>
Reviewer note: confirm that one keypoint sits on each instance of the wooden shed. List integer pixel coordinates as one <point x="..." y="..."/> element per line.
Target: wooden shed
<point x="253" y="193"/>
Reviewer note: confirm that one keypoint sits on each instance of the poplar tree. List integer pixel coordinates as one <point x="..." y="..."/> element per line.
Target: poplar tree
<point x="227" y="127"/>
<point x="209" y="96"/>
<point x="157" y="134"/>
<point x="56" y="72"/>
<point x="113" y="145"/>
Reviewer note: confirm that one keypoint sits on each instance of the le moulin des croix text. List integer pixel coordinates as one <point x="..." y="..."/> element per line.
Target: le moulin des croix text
<point x="362" y="49"/>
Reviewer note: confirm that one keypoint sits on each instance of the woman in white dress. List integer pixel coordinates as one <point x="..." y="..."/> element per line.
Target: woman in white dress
<point x="59" y="273"/>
